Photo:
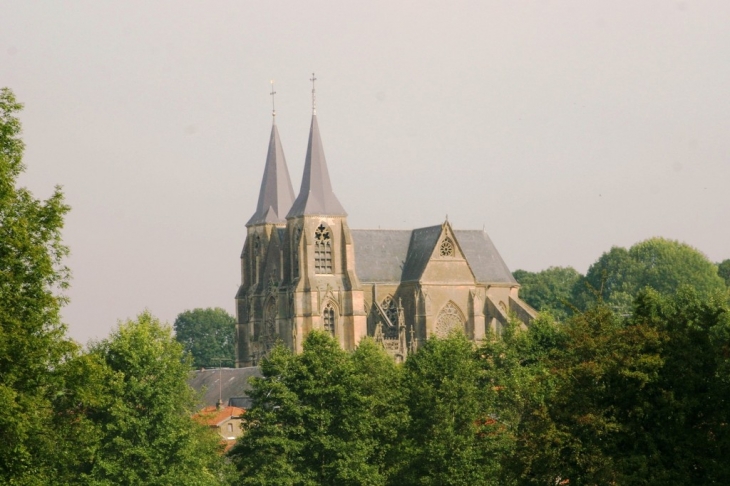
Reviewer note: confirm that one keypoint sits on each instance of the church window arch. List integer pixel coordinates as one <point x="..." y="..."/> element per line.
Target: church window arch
<point x="322" y="250"/>
<point x="329" y="318"/>
<point x="449" y="318"/>
<point x="446" y="249"/>
<point x="391" y="310"/>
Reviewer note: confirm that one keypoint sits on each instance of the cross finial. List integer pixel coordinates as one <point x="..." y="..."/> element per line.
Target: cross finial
<point x="273" y="104"/>
<point x="314" y="95"/>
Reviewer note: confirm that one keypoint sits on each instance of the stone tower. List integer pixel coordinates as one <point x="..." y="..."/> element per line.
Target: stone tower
<point x="298" y="273"/>
<point x="262" y="268"/>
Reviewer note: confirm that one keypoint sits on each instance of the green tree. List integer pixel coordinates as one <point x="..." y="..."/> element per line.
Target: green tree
<point x="208" y="335"/>
<point x="661" y="264"/>
<point x="723" y="270"/>
<point x="549" y="290"/>
<point x="455" y="436"/>
<point x="147" y="435"/>
<point x="325" y="416"/>
<point x="33" y="343"/>
<point x="683" y="428"/>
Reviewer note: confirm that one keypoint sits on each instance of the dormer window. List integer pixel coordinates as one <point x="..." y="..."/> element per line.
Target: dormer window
<point x="447" y="248"/>
<point x="322" y="250"/>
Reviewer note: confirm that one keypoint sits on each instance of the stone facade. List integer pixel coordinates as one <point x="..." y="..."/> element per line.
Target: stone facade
<point x="303" y="268"/>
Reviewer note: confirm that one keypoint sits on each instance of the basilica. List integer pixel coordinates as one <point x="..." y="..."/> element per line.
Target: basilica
<point x="303" y="268"/>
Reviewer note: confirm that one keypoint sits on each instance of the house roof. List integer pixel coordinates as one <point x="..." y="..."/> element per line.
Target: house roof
<point x="213" y="416"/>
<point x="276" y="195"/>
<point x="392" y="256"/>
<point x="316" y="196"/>
<point x="234" y="383"/>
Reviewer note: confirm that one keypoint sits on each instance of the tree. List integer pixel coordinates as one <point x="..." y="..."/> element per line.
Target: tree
<point x="147" y="435"/>
<point x="32" y="339"/>
<point x="454" y="436"/>
<point x="549" y="290"/>
<point x="208" y="335"/>
<point x="723" y="270"/>
<point x="322" y="417"/>
<point x="661" y="264"/>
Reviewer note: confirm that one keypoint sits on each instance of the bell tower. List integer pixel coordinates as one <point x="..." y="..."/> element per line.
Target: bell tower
<point x="259" y="308"/>
<point x="325" y="292"/>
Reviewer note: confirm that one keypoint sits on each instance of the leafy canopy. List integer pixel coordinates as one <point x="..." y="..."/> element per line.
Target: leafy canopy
<point x="32" y="339"/>
<point x="208" y="335"/>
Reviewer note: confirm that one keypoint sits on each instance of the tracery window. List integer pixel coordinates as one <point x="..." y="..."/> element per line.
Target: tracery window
<point x="322" y="250"/>
<point x="391" y="310"/>
<point x="329" y="318"/>
<point x="447" y="248"/>
<point x="449" y="319"/>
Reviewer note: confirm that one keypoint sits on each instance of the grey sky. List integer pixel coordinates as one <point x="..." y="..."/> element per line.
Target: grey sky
<point x="562" y="127"/>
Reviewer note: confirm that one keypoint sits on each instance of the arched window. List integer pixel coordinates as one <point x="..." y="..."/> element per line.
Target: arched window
<point x="391" y="310"/>
<point x="449" y="319"/>
<point x="322" y="250"/>
<point x="447" y="248"/>
<point x="329" y="318"/>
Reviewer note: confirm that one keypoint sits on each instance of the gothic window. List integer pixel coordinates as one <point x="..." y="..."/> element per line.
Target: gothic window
<point x="449" y="319"/>
<point x="447" y="248"/>
<point x="329" y="318"/>
<point x="390" y="310"/>
<point x="322" y="250"/>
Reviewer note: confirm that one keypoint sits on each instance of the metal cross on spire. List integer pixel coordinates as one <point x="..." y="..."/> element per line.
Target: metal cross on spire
<point x="273" y="104"/>
<point x="314" y="96"/>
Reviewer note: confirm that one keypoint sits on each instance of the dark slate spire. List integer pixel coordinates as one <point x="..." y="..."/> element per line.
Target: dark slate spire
<point x="276" y="195"/>
<point x="316" y="196"/>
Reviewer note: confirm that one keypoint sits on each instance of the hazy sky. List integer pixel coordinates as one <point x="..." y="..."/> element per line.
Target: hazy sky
<point x="563" y="128"/>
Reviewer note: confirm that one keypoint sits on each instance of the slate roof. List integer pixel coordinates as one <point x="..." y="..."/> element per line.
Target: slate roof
<point x="276" y="195"/>
<point x="235" y="383"/>
<point x="392" y="256"/>
<point x="483" y="257"/>
<point x="423" y="241"/>
<point x="316" y="196"/>
<point x="380" y="254"/>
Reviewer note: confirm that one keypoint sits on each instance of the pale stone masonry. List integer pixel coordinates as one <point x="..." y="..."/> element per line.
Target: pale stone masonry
<point x="303" y="268"/>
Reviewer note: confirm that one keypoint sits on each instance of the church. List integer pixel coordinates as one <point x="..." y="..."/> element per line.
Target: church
<point x="303" y="268"/>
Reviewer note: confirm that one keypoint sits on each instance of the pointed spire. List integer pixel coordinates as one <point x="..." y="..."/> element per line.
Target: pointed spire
<point x="276" y="195"/>
<point x="315" y="195"/>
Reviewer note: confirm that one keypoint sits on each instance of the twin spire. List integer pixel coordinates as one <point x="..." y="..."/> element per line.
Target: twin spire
<point x="276" y="199"/>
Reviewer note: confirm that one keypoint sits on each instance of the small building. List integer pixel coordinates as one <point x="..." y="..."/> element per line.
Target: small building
<point x="225" y="420"/>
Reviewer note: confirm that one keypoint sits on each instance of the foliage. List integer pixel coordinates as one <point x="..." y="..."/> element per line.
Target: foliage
<point x="550" y="290"/>
<point x="663" y="265"/>
<point x="147" y="435"/>
<point x="32" y="338"/>
<point x="455" y="436"/>
<point x="322" y="417"/>
<point x="208" y="335"/>
<point x="723" y="270"/>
